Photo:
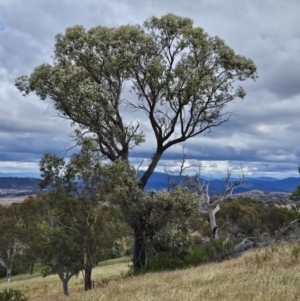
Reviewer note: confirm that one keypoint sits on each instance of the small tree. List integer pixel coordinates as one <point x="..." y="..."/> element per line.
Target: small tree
<point x="46" y="239"/>
<point x="9" y="243"/>
<point x="30" y="216"/>
<point x="79" y="198"/>
<point x="60" y="252"/>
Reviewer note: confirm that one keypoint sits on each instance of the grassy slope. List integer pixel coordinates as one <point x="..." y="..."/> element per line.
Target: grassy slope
<point x="266" y="274"/>
<point x="36" y="287"/>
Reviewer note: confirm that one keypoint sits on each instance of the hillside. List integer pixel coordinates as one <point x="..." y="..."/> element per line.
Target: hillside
<point x="270" y="274"/>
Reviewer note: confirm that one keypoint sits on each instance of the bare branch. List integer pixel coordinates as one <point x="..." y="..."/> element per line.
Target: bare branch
<point x="179" y="178"/>
<point x="283" y="232"/>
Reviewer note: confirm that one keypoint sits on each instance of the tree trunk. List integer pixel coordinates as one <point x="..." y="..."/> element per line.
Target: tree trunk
<point x="65" y="287"/>
<point x="31" y="268"/>
<point x="139" y="253"/>
<point x="65" y="280"/>
<point x="212" y="218"/>
<point x="8" y="274"/>
<point x="88" y="267"/>
<point x="156" y="157"/>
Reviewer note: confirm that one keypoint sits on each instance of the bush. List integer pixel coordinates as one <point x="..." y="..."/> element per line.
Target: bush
<point x="12" y="295"/>
<point x="161" y="262"/>
<point x="197" y="256"/>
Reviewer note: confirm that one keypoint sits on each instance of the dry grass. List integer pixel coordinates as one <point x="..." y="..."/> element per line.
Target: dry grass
<point x="50" y="288"/>
<point x="266" y="274"/>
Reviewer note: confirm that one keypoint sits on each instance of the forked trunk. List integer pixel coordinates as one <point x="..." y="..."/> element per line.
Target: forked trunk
<point x="65" y="277"/>
<point x="65" y="287"/>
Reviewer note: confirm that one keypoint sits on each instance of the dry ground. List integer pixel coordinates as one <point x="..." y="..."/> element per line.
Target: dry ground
<point x="265" y="274"/>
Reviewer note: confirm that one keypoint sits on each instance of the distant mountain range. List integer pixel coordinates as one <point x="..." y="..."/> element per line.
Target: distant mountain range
<point x="19" y="183"/>
<point x="158" y="181"/>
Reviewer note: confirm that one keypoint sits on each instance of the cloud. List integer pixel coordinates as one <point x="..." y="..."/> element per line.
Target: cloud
<point x="263" y="133"/>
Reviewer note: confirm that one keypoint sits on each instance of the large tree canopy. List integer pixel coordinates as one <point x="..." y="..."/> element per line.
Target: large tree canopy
<point x="182" y="79"/>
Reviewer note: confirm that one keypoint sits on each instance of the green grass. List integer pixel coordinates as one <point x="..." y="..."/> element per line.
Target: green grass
<point x="114" y="261"/>
<point x="36" y="273"/>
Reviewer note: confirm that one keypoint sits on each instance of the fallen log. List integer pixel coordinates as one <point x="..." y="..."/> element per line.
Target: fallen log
<point x="247" y="244"/>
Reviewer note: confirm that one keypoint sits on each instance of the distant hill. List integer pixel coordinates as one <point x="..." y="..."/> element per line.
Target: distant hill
<point x="267" y="184"/>
<point x="15" y="186"/>
<point x="19" y="183"/>
<point x="158" y="181"/>
<point x="20" y="174"/>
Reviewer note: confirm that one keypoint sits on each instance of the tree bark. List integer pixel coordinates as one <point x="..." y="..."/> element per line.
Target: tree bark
<point x="65" y="280"/>
<point x="65" y="287"/>
<point x="155" y="159"/>
<point x="88" y="267"/>
<point x="212" y="218"/>
<point x="8" y="274"/>
<point x="139" y="253"/>
<point x="31" y="268"/>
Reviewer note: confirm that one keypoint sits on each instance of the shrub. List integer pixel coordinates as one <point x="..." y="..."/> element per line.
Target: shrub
<point x="197" y="256"/>
<point x="296" y="251"/>
<point x="12" y="295"/>
<point x="200" y="254"/>
<point x="163" y="262"/>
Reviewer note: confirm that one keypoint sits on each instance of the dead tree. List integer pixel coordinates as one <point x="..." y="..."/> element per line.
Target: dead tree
<point x="213" y="207"/>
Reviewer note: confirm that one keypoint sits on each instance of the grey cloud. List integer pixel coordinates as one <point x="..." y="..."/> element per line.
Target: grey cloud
<point x="264" y="132"/>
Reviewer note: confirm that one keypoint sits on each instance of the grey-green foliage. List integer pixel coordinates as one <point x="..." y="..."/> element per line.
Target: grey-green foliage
<point x="163" y="216"/>
<point x="48" y="240"/>
<point x="79" y="202"/>
<point x="182" y="79"/>
<point x="168" y="221"/>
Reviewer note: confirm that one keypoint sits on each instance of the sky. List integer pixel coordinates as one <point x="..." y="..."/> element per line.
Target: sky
<point x="263" y="134"/>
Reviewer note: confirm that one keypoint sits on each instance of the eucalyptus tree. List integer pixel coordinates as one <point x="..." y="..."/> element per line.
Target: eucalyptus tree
<point x="79" y="200"/>
<point x="10" y="246"/>
<point x="180" y="78"/>
<point x="47" y="240"/>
